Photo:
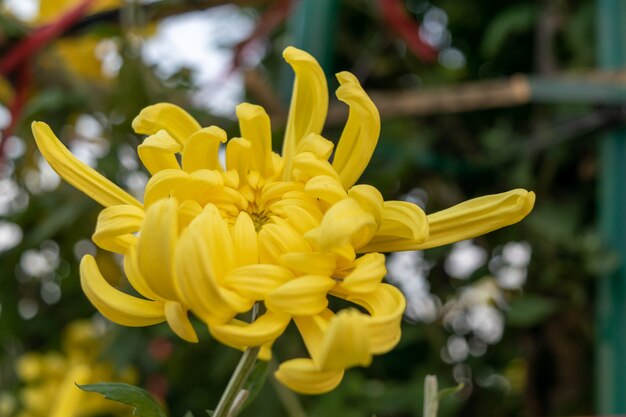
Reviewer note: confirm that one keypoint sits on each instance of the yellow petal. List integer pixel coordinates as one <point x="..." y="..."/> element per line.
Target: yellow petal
<point x="115" y="228"/>
<point x="155" y="248"/>
<point x="299" y="217"/>
<point x="202" y="149"/>
<point x="312" y="329"/>
<point x="115" y="305"/>
<point x="136" y="278"/>
<point x="370" y="200"/>
<point x="187" y="211"/>
<point x="158" y="152"/>
<point x="346" y="223"/>
<point x="360" y="135"/>
<point x="368" y="272"/>
<point x="169" y="117"/>
<point x="275" y="190"/>
<point x="68" y="397"/>
<point x="346" y="342"/>
<point x="76" y="172"/>
<point x="162" y="184"/>
<point x="204" y="254"/>
<point x="256" y="281"/>
<point x="302" y="296"/>
<point x="245" y="240"/>
<point x="254" y="124"/>
<point x="403" y="223"/>
<point x="278" y="238"/>
<point x="386" y="306"/>
<point x="178" y="321"/>
<point x="199" y="186"/>
<point x="302" y="375"/>
<point x="309" y="102"/>
<point x="265" y="353"/>
<point x="326" y="188"/>
<point x="316" y="144"/>
<point x="306" y="165"/>
<point x="238" y="156"/>
<point x="310" y="263"/>
<point x="263" y="330"/>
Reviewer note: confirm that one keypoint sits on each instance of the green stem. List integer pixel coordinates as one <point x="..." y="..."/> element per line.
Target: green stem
<point x="431" y="399"/>
<point x="238" y="379"/>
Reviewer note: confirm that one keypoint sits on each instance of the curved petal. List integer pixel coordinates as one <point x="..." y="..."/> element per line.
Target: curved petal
<point x="346" y="342"/>
<point x="162" y="184"/>
<point x="326" y="188"/>
<point x="360" y="135"/>
<point x="178" y="321"/>
<point x="386" y="306"/>
<point x="115" y="305"/>
<point x="169" y="117"/>
<point x="302" y="375"/>
<point x="115" y="228"/>
<point x="370" y="200"/>
<point x="306" y="165"/>
<point x="345" y="223"/>
<point x="369" y="270"/>
<point x="263" y="330"/>
<point x="302" y="296"/>
<point x="254" y="124"/>
<point x="309" y="103"/>
<point x="319" y="146"/>
<point x="278" y="238"/>
<point x="256" y="281"/>
<point x="135" y="277"/>
<point x="202" y="149"/>
<point x="402" y="223"/>
<point x="77" y="173"/>
<point x="158" y="152"/>
<point x="155" y="247"/>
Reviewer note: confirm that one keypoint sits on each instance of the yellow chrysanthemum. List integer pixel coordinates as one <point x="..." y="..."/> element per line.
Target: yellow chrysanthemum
<point x="50" y="379"/>
<point x="282" y="231"/>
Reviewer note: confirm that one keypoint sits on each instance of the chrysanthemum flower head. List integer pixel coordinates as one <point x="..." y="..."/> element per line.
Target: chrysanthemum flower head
<point x="284" y="232"/>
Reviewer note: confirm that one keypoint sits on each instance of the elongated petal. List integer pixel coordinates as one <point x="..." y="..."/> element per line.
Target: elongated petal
<point x="115" y="305"/>
<point x="370" y="199"/>
<point x="402" y="223"/>
<point x="136" y="278"/>
<point x="346" y="342"/>
<point x="202" y="149"/>
<point x="254" y="124"/>
<point x="306" y="165"/>
<point x="80" y="175"/>
<point x="158" y="152"/>
<point x="263" y="330"/>
<point x="169" y="117"/>
<point x="302" y="296"/>
<point x="360" y="135"/>
<point x="163" y="183"/>
<point x="257" y="281"/>
<point x="312" y="329"/>
<point x="386" y="306"/>
<point x="245" y="240"/>
<point x="309" y="103"/>
<point x="155" y="248"/>
<point x="238" y="156"/>
<point x="310" y="263"/>
<point x="316" y="144"/>
<point x="178" y="321"/>
<point x="369" y="270"/>
<point x="115" y="228"/>
<point x="278" y="238"/>
<point x="303" y="376"/>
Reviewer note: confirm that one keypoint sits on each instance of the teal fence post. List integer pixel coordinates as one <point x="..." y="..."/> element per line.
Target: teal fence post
<point x="611" y="290"/>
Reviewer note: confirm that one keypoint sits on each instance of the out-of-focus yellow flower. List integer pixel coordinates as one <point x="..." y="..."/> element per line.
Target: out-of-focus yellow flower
<point x="285" y="231"/>
<point x="50" y="10"/>
<point x="6" y="92"/>
<point x="50" y="379"/>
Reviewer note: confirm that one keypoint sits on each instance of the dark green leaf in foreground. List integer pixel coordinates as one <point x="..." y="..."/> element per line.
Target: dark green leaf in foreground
<point x="144" y="404"/>
<point x="446" y="392"/>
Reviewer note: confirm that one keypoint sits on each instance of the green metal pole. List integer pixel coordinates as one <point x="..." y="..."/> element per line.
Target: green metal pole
<point x="312" y="27"/>
<point x="611" y="291"/>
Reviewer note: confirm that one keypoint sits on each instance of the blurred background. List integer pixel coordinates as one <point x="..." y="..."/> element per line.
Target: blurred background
<point x="476" y="97"/>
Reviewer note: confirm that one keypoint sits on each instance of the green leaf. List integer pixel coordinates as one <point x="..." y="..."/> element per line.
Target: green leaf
<point x="512" y="21"/>
<point x="144" y="404"/>
<point x="255" y="381"/>
<point x="446" y="392"/>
